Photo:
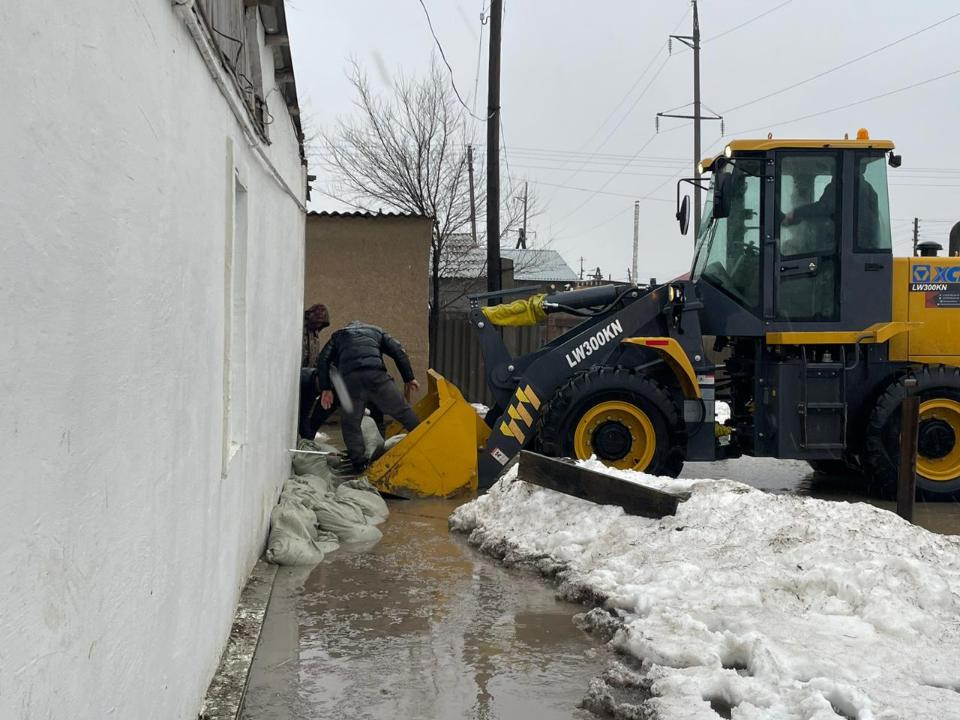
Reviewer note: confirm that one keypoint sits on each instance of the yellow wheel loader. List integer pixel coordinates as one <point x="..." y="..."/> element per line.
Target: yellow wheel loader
<point x="794" y="285"/>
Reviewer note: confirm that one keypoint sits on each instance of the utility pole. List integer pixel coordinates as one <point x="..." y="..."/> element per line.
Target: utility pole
<point x="636" y="239"/>
<point x="916" y="235"/>
<point x="493" y="149"/>
<point x="693" y="42"/>
<point x="522" y="235"/>
<point x="696" y="121"/>
<point x="581" y="267"/>
<point x="473" y="197"/>
<point x="524" y="214"/>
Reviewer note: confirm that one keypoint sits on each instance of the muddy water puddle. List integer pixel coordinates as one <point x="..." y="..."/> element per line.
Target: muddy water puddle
<point x="419" y="626"/>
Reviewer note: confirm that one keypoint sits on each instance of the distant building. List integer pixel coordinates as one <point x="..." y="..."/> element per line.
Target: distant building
<point x="372" y="267"/>
<point x="464" y="271"/>
<point x="151" y="289"/>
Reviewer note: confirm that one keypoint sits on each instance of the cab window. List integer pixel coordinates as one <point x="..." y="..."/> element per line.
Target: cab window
<point x="728" y="249"/>
<point x="872" y="205"/>
<point x="809" y="198"/>
<point x="808" y="269"/>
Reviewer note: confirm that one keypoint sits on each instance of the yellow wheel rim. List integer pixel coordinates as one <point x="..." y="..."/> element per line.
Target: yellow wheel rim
<point x="611" y="420"/>
<point x="946" y="468"/>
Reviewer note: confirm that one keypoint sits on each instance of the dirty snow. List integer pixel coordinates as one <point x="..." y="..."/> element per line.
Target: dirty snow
<point x="745" y="604"/>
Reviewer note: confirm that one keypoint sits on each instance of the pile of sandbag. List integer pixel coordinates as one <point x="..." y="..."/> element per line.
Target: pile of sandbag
<point x="318" y="510"/>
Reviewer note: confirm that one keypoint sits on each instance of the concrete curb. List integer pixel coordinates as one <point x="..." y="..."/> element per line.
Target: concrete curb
<point x="224" y="698"/>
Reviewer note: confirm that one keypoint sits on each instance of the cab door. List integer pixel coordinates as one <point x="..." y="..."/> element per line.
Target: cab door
<point x="807" y="230"/>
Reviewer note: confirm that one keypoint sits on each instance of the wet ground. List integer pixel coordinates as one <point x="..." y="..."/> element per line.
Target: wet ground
<point x="419" y="626"/>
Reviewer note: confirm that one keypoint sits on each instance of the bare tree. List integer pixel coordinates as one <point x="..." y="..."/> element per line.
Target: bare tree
<point x="408" y="152"/>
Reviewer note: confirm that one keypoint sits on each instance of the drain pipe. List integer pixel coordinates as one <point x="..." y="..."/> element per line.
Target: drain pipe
<point x="188" y="15"/>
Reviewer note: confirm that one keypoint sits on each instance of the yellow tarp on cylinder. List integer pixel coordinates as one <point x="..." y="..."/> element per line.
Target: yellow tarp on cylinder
<point x="518" y="313"/>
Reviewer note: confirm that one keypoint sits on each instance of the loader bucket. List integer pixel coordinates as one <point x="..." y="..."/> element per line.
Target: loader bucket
<point x="439" y="458"/>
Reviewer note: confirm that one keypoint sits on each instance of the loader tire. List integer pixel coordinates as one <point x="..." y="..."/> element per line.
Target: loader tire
<point x="625" y="418"/>
<point x="938" y="446"/>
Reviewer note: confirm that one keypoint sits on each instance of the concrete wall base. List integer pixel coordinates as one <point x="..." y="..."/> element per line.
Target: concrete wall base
<point x="224" y="699"/>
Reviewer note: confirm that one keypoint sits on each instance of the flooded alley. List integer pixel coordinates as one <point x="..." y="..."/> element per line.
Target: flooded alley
<point x="419" y="626"/>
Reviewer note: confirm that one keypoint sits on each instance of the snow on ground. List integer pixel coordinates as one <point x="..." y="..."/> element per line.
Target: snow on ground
<point x="745" y="604"/>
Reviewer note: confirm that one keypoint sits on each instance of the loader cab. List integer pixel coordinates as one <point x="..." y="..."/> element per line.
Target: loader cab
<point x="795" y="235"/>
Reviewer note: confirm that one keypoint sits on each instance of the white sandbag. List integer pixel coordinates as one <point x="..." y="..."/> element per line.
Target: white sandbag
<point x="304" y="464"/>
<point x="316" y="513"/>
<point x="372" y="439"/>
<point x="294" y="538"/>
<point x="362" y="493"/>
<point x="392" y="442"/>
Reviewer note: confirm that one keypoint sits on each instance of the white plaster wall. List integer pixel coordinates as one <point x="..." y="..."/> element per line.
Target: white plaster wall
<point x="122" y="549"/>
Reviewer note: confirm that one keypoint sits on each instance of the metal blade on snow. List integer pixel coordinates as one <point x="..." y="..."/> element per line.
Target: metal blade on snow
<point x="565" y="477"/>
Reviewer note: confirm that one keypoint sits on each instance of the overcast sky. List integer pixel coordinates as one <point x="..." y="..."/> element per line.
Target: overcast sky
<point x="578" y="106"/>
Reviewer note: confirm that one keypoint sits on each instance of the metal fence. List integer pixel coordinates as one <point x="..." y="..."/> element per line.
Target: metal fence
<point x="458" y="356"/>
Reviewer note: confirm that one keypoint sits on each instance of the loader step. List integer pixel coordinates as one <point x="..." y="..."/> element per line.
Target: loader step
<point x="566" y="477"/>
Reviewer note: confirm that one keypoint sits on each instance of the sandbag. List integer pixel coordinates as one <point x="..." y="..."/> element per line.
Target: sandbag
<point x="294" y="537"/>
<point x="317" y="511"/>
<point x="392" y="442"/>
<point x="372" y="439"/>
<point x="362" y="493"/>
<point x="312" y="464"/>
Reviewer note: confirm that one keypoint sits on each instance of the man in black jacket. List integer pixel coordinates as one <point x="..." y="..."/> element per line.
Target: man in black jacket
<point x="357" y="352"/>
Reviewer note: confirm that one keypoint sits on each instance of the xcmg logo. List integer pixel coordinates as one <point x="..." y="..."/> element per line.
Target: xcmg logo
<point x="936" y="273"/>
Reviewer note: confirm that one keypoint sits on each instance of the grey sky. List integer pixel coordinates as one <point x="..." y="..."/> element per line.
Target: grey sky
<point x="568" y="65"/>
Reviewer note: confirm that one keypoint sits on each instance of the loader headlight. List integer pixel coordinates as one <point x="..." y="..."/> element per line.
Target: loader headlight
<point x="675" y="293"/>
<point x="728" y="152"/>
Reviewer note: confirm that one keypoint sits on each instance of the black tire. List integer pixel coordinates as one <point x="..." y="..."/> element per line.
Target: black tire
<point x="883" y="432"/>
<point x="559" y="419"/>
<point x="833" y="467"/>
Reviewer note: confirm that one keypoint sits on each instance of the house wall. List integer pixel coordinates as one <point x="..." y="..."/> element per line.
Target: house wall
<point x="124" y="537"/>
<point x="373" y="269"/>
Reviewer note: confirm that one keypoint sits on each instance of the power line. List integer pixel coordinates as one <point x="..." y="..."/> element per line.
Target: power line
<point x="643" y="92"/>
<point x="597" y="192"/>
<point x="741" y="25"/>
<point x="751" y="20"/>
<point x="443" y="55"/>
<point x="848" y="105"/>
<point x="558" y="151"/>
<point x="840" y="66"/>
<point x="506" y="161"/>
<point x="476" y="78"/>
<point x="600" y="172"/>
<point x="609" y="180"/>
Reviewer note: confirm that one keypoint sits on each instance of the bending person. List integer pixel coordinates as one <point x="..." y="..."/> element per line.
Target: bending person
<point x="357" y="352"/>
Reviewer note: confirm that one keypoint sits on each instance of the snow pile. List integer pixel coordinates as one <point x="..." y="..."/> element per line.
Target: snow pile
<point x="745" y="604"/>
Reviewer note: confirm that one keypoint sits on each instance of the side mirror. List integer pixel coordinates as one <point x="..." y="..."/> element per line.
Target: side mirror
<point x="721" y="195"/>
<point x="683" y="215"/>
<point x="895" y="160"/>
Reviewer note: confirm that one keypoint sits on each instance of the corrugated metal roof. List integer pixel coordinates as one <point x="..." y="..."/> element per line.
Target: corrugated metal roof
<point x="365" y="214"/>
<point x="539" y="264"/>
<point x="466" y="260"/>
